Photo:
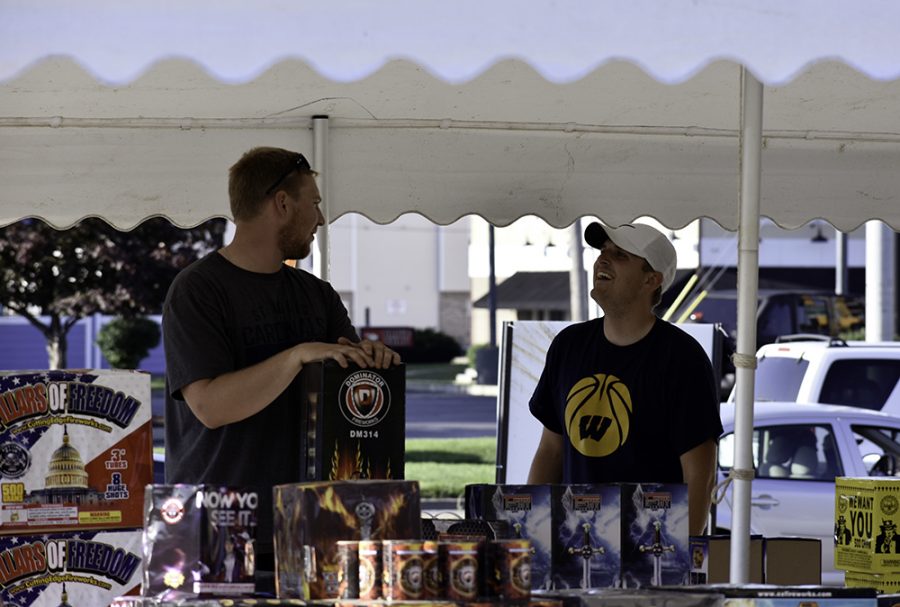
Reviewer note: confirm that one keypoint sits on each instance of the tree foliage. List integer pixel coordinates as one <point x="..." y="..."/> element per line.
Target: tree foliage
<point x="53" y="277"/>
<point x="125" y="342"/>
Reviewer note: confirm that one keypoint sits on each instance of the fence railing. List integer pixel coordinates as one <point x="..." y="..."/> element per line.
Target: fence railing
<point x="23" y="346"/>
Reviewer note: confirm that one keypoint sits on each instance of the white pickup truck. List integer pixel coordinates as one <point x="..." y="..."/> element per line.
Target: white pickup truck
<point x="817" y="369"/>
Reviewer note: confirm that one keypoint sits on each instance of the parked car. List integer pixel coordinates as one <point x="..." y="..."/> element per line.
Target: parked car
<point x="798" y="450"/>
<point x="809" y="368"/>
<point x="781" y="312"/>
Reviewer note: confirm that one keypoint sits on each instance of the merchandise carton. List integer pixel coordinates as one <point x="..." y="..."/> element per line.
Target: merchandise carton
<point x="354" y="420"/>
<point x="792" y="561"/>
<point x="87" y="567"/>
<point x="199" y="540"/>
<point x="75" y="450"/>
<point x="310" y="518"/>
<point x="866" y="516"/>
<point x="711" y="559"/>
<point x="594" y="536"/>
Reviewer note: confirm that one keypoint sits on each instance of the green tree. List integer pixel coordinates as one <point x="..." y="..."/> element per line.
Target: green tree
<point x="53" y="277"/>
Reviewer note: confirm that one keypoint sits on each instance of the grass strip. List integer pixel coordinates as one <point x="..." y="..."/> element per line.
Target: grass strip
<point x="445" y="466"/>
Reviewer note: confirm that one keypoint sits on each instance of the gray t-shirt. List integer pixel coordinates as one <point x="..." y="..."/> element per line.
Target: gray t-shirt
<point x="219" y="318"/>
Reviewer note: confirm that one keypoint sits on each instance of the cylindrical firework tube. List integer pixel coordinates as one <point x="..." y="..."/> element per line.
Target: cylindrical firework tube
<point x="511" y="564"/>
<point x="348" y="569"/>
<point x="370" y="569"/>
<point x="431" y="573"/>
<point x="459" y="569"/>
<point x="402" y="570"/>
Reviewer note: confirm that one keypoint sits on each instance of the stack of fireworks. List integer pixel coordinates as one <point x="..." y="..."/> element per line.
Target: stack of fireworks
<point x="461" y="570"/>
<point x="75" y="455"/>
<point x="311" y="518"/>
<point x="199" y="541"/>
<point x="594" y="536"/>
<point x="866" y="534"/>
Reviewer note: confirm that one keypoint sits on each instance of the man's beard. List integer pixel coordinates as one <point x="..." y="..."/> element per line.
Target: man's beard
<point x="290" y="243"/>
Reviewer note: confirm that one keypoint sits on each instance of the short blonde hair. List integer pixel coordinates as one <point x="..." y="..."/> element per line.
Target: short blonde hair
<point x="258" y="171"/>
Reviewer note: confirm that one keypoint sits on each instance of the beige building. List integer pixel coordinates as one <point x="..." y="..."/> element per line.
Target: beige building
<point x="413" y="273"/>
<point x="409" y="273"/>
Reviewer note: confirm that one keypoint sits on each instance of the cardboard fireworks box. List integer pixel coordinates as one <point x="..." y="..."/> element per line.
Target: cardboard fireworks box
<point x="86" y="567"/>
<point x="75" y="450"/>
<point x="866" y="516"/>
<point x="355" y="421"/>
<point x="310" y="518"/>
<point x="528" y="511"/>
<point x="574" y="529"/>
<point x="793" y="561"/>
<point x="628" y="535"/>
<point x="655" y="530"/>
<point x="711" y="559"/>
<point x="587" y="549"/>
<point x="199" y="540"/>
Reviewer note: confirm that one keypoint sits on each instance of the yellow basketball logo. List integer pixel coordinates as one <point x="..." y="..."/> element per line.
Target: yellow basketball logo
<point x="598" y="415"/>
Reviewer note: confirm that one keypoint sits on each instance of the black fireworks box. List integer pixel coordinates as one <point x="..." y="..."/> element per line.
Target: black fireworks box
<point x="594" y="536"/>
<point x="527" y="510"/>
<point x="87" y="567"/>
<point x="310" y="518"/>
<point x="654" y="534"/>
<point x="75" y="450"/>
<point x="355" y="421"/>
<point x="573" y="529"/>
<point x="199" y="540"/>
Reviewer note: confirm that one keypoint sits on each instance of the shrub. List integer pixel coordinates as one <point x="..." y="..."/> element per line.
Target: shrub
<point x="125" y="342"/>
<point x="430" y="346"/>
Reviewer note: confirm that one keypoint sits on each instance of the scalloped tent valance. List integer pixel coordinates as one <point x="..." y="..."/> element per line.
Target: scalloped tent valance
<point x="617" y="109"/>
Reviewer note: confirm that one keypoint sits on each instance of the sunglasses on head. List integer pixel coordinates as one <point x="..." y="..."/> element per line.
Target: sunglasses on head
<point x="301" y="164"/>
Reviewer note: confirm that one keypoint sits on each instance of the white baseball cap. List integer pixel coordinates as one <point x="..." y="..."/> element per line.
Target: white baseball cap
<point x="641" y="240"/>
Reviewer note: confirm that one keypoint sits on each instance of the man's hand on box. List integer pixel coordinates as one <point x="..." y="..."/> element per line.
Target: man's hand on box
<point x="382" y="356"/>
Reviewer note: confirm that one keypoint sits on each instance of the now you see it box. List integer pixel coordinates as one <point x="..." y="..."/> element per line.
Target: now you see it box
<point x="75" y="449"/>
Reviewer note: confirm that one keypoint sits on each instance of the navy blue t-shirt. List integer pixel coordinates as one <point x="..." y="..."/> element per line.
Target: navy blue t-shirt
<point x="627" y="413"/>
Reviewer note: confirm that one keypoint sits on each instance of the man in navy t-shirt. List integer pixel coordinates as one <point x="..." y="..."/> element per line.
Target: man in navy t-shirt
<point x="629" y="397"/>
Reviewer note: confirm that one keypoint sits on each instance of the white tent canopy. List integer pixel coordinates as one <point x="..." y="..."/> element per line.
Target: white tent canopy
<point x="451" y="109"/>
<point x="557" y="108"/>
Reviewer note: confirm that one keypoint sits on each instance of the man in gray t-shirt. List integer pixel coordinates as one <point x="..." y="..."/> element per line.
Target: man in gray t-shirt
<point x="239" y="324"/>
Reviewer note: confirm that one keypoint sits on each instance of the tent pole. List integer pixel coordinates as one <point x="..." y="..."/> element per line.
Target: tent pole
<point x="745" y="359"/>
<point x="880" y="296"/>
<point x="320" y="164"/>
<point x="577" y="275"/>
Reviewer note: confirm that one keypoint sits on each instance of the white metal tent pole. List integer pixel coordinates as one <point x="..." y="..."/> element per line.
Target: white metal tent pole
<point x="745" y="359"/>
<point x="320" y="164"/>
<point x="577" y="274"/>
<point x="879" y="282"/>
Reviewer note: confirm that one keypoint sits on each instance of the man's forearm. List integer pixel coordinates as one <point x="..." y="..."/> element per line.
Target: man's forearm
<point x="235" y="396"/>
<point x="699" y="469"/>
